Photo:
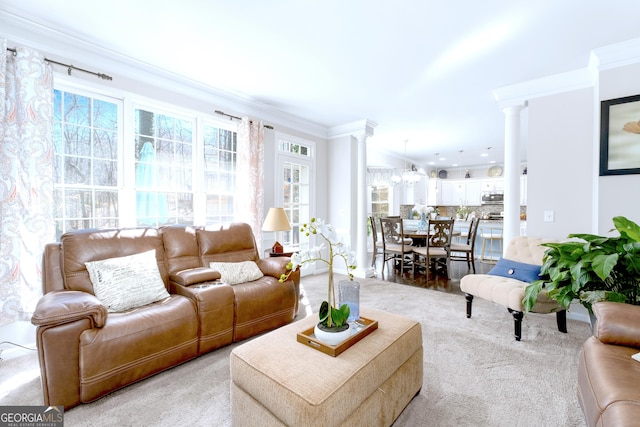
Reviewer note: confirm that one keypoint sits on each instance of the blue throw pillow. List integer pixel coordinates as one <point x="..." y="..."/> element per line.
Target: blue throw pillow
<point x="516" y="270"/>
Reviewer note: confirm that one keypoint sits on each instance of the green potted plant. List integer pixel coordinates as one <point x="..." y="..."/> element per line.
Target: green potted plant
<point x="332" y="327"/>
<point x="591" y="269"/>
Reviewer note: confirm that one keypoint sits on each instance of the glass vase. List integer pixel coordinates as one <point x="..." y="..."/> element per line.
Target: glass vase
<point x="422" y="223"/>
<point x="349" y="293"/>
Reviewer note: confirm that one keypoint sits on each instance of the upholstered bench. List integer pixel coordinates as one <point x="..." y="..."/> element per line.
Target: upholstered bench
<point x="278" y="381"/>
<point x="505" y="284"/>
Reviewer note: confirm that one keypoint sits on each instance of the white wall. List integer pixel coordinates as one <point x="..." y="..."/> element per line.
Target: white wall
<point x="560" y="164"/>
<point x="377" y="158"/>
<point x="342" y="180"/>
<point x="618" y="195"/>
<point x="563" y="160"/>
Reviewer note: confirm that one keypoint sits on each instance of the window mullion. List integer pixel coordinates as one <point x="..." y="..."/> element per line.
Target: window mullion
<point x="127" y="178"/>
<point x="199" y="195"/>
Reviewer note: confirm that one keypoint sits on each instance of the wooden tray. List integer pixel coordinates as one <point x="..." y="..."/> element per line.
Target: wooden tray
<point x="366" y="326"/>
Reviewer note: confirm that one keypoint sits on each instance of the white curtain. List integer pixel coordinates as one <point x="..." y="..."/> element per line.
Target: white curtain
<point x="26" y="178"/>
<point x="250" y="175"/>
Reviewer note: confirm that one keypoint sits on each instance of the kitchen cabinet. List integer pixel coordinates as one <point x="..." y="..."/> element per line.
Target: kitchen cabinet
<point x="473" y="193"/>
<point x="457" y="192"/>
<point x="467" y="192"/>
<point x="433" y="189"/>
<point x="492" y="185"/>
<point x="451" y="192"/>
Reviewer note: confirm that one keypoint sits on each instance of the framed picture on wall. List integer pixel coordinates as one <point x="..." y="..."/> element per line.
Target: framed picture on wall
<point x="620" y="136"/>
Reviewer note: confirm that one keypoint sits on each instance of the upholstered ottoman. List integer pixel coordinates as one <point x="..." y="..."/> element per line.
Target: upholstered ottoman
<point x="278" y="381"/>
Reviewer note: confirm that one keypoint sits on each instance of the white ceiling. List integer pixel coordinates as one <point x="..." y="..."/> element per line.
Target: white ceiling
<point x="423" y="70"/>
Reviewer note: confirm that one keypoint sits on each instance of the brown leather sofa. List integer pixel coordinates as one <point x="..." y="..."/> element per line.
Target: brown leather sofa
<point x="86" y="352"/>
<point x="608" y="378"/>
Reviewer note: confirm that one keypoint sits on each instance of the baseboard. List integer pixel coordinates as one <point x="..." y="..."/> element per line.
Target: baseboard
<point x="578" y="312"/>
<point x="17" y="339"/>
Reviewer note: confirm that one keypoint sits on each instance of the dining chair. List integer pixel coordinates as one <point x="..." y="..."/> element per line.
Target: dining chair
<point x="378" y="246"/>
<point x="394" y="245"/>
<point x="462" y="228"/>
<point x="438" y="248"/>
<point x="465" y="251"/>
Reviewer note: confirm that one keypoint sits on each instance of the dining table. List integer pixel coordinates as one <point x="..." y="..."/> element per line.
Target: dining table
<point x="420" y="237"/>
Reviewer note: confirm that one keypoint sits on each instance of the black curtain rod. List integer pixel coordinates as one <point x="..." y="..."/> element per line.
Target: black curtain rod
<point x="222" y="113"/>
<point x="106" y="77"/>
<point x="71" y="67"/>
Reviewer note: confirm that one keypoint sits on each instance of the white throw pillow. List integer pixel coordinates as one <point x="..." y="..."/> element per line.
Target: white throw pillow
<point x="237" y="272"/>
<point x="127" y="282"/>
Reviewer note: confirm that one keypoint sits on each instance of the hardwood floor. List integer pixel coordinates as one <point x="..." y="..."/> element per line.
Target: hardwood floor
<point x="437" y="282"/>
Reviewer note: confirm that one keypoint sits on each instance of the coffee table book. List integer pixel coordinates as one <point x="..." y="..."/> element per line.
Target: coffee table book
<point x="365" y="327"/>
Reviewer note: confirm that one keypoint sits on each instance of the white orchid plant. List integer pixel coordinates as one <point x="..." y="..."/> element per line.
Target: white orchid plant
<point x="463" y="211"/>
<point x="424" y="209"/>
<point x="330" y="314"/>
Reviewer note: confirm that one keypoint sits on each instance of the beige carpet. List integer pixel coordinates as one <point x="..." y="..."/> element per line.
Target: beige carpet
<point x="475" y="373"/>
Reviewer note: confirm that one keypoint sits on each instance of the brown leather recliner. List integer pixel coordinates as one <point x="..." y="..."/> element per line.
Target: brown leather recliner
<point x="86" y="352"/>
<point x="608" y="376"/>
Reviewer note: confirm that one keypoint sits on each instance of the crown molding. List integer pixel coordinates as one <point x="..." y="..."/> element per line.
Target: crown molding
<point x="617" y="55"/>
<point x="63" y="47"/>
<point x="604" y="58"/>
<point x="519" y="94"/>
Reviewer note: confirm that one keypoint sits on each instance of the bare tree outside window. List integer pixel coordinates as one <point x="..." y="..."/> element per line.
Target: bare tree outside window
<point x="164" y="169"/>
<point x="219" y="173"/>
<point x="86" y="162"/>
<point x="162" y="180"/>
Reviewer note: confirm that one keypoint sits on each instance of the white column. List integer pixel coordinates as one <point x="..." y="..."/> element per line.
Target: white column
<point x="357" y="211"/>
<point x="511" y="174"/>
<point x="362" y="257"/>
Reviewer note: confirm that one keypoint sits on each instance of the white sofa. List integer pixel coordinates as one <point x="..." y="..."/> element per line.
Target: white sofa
<point x="508" y="291"/>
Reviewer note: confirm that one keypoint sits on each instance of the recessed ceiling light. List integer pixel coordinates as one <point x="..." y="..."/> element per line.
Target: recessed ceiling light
<point x="442" y="159"/>
<point x="484" y="154"/>
<point x="492" y="161"/>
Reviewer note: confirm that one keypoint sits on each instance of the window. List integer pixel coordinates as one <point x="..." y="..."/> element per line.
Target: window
<point x="167" y="170"/>
<point x="380" y="201"/>
<point x="86" y="136"/>
<point x="294" y="148"/>
<point x="164" y="169"/>
<point x="380" y="185"/>
<point x="219" y="173"/>
<point x="294" y="187"/>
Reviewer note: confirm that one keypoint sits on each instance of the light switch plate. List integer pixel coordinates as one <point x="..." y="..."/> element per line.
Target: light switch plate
<point x="548" y="216"/>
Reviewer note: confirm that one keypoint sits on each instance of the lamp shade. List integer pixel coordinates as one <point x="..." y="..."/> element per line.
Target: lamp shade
<point x="276" y="220"/>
